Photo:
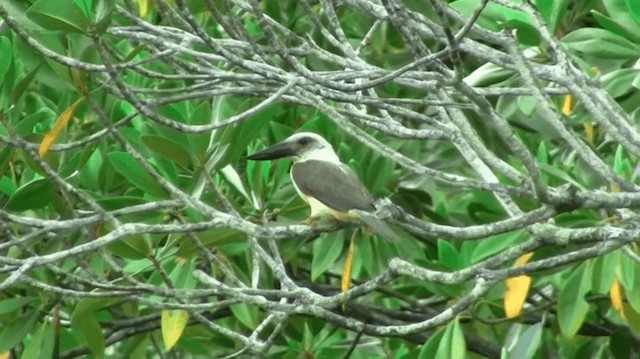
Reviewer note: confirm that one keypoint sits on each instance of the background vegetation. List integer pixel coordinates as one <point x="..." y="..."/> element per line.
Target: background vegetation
<point x="501" y="136"/>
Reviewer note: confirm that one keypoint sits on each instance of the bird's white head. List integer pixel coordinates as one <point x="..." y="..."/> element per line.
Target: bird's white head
<point x="300" y="146"/>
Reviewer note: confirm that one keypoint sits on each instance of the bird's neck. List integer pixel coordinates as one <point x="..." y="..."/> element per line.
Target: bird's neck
<point x="324" y="154"/>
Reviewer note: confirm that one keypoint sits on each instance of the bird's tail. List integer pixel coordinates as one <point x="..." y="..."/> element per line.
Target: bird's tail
<point x="377" y="225"/>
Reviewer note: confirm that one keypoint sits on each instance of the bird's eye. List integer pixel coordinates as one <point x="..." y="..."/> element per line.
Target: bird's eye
<point x="303" y="141"/>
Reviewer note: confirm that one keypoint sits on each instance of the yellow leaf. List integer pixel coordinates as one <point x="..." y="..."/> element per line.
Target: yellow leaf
<point x="173" y="323"/>
<point x="5" y="355"/>
<point x="567" y="105"/>
<point x="516" y="294"/>
<point x="615" y="293"/>
<point x="143" y="7"/>
<point x="345" y="281"/>
<point x="51" y="137"/>
<point x="517" y="290"/>
<point x="523" y="259"/>
<point x="588" y="132"/>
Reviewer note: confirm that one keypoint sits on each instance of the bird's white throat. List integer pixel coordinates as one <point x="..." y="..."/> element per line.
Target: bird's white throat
<point x="321" y="154"/>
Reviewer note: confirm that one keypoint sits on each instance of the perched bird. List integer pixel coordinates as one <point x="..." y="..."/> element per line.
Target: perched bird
<point x="326" y="184"/>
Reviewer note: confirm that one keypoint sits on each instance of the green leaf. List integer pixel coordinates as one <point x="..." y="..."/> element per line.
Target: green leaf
<point x="613" y="25"/>
<point x="617" y="161"/>
<point x="619" y="82"/>
<point x="326" y="250"/>
<point x="231" y="175"/>
<point x="137" y="266"/>
<point x="39" y="346"/>
<point x="17" y="10"/>
<point x="166" y="148"/>
<point x="6" y="186"/>
<point x="133" y="247"/>
<point x="430" y="349"/>
<point x="494" y="244"/>
<point x="526" y="33"/>
<point x="307" y="338"/>
<point x="452" y="345"/>
<point x="246" y="314"/>
<point x="127" y="166"/>
<point x="633" y="293"/>
<point x="84" y="6"/>
<point x="619" y="13"/>
<point x="634" y="9"/>
<point x="212" y="238"/>
<point x="527" y="104"/>
<point x="5" y="156"/>
<point x="22" y="85"/>
<point x="448" y="255"/>
<point x="280" y="130"/>
<point x="28" y="123"/>
<point x="542" y="155"/>
<point x="13" y="333"/>
<point x="491" y="17"/>
<point x="48" y="341"/>
<point x="560" y="174"/>
<point x="255" y="180"/>
<point x="326" y="342"/>
<point x="238" y="136"/>
<point x="200" y="142"/>
<point x="87" y="306"/>
<point x="86" y="327"/>
<point x="572" y="308"/>
<point x="497" y="17"/>
<point x="625" y="271"/>
<point x="88" y="331"/>
<point x="113" y="203"/>
<point x="94" y="173"/>
<point x="552" y="12"/>
<point x="137" y="347"/>
<point x="601" y="43"/>
<point x="13" y="304"/>
<point x="528" y="343"/>
<point x="77" y="161"/>
<point x="604" y="271"/>
<point x="619" y="345"/>
<point x="364" y="253"/>
<point x="6" y="58"/>
<point x="33" y="195"/>
<point x="377" y="174"/>
<point x="58" y="15"/>
<point x="103" y="9"/>
<point x="8" y="81"/>
<point x="182" y="274"/>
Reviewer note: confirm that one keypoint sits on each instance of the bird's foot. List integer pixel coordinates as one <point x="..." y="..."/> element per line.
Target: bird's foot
<point x="334" y="221"/>
<point x="312" y="221"/>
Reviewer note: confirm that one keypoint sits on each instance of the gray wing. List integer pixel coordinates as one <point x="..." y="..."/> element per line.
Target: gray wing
<point x="335" y="185"/>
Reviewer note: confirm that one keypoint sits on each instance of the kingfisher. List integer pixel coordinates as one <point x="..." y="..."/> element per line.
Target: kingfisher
<point x="324" y="182"/>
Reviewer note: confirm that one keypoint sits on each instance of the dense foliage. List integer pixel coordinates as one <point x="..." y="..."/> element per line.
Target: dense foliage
<point x="500" y="135"/>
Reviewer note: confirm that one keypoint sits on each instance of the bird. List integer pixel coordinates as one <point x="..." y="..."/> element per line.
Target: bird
<point x="324" y="182"/>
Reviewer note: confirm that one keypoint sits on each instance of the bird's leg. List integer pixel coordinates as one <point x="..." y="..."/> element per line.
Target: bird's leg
<point x="335" y="221"/>
<point x="329" y="219"/>
<point x="312" y="221"/>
